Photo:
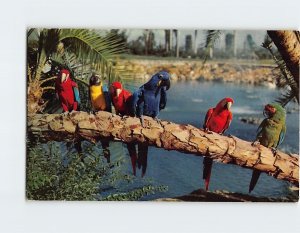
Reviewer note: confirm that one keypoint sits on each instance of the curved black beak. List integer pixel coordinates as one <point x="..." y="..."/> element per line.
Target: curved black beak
<point x="166" y="83"/>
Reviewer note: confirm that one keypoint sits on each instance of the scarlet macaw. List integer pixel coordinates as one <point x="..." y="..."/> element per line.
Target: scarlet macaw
<point x="217" y="120"/>
<point x="270" y="133"/>
<point x="64" y="87"/>
<point x="121" y="100"/>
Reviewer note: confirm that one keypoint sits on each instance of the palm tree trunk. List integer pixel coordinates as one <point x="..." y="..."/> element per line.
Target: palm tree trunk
<point x="167" y="135"/>
<point x="288" y="45"/>
<point x="177" y="42"/>
<point x="195" y="43"/>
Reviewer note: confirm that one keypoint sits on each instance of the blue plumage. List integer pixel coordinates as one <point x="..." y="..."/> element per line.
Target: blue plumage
<point x="148" y="100"/>
<point x="151" y="97"/>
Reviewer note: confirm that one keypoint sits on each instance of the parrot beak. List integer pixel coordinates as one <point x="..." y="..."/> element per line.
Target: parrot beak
<point x="167" y="83"/>
<point x="228" y="105"/>
<point x="64" y="77"/>
<point x="118" y="92"/>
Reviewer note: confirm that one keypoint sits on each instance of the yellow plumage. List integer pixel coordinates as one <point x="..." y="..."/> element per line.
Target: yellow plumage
<point x="97" y="98"/>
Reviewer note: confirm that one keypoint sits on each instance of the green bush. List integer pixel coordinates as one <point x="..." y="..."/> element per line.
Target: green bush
<point x="55" y="171"/>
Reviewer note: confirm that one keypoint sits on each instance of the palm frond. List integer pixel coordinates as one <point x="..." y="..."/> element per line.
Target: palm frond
<point x="285" y="98"/>
<point x="211" y="38"/>
<point x="99" y="51"/>
<point x="284" y="78"/>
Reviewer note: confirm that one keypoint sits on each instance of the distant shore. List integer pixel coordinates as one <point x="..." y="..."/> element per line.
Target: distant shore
<point x="235" y="71"/>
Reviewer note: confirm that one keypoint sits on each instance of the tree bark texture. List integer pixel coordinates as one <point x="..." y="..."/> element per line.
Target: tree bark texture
<point x="288" y="45"/>
<point x="163" y="134"/>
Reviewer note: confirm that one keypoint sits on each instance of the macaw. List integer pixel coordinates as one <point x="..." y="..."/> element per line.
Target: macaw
<point x="99" y="95"/>
<point x="270" y="133"/>
<point x="100" y="101"/>
<point x="148" y="100"/>
<point x="217" y="120"/>
<point x="121" y="100"/>
<point x="65" y="87"/>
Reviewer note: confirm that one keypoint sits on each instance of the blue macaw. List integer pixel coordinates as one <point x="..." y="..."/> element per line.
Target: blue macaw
<point x="148" y="100"/>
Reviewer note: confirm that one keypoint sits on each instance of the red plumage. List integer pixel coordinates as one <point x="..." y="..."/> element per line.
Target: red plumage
<point x="217" y="120"/>
<point x="120" y="102"/>
<point x="65" y="92"/>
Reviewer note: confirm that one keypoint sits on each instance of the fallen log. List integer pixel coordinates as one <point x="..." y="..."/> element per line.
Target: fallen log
<point x="163" y="134"/>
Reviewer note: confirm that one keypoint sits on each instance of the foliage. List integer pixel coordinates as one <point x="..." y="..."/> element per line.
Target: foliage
<point x="211" y="38"/>
<point x="284" y="78"/>
<point x="52" y="174"/>
<point x="82" y="51"/>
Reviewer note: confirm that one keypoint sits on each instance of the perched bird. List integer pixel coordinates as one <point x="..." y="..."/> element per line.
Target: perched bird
<point x="217" y="119"/>
<point x="121" y="100"/>
<point x="99" y="95"/>
<point x="100" y="101"/>
<point x="270" y="133"/>
<point x="148" y="100"/>
<point x="64" y="87"/>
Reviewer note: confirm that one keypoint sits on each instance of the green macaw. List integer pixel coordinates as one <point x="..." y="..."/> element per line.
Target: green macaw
<point x="270" y="133"/>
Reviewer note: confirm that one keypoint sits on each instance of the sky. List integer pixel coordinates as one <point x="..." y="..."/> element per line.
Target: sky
<point x="257" y="35"/>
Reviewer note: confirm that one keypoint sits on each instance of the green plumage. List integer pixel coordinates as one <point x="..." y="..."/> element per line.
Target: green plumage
<point x="272" y="130"/>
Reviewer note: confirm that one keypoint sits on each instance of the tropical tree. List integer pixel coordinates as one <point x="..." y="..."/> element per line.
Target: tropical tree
<point x="81" y="50"/>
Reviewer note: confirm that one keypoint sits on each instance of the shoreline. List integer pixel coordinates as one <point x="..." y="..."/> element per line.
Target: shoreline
<point x="240" y="72"/>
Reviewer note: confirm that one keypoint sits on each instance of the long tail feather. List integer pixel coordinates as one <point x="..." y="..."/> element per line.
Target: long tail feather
<point x="143" y="154"/>
<point x="254" y="179"/>
<point x="133" y="156"/>
<point x="207" y="167"/>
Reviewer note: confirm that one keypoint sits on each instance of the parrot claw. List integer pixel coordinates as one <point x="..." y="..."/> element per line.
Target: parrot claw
<point x="255" y="143"/>
<point x="274" y="151"/>
<point x="142" y="121"/>
<point x="157" y="120"/>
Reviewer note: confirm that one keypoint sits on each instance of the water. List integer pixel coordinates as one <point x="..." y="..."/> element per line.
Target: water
<point x="187" y="104"/>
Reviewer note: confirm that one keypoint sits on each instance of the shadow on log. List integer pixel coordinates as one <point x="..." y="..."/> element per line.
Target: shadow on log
<point x="167" y="135"/>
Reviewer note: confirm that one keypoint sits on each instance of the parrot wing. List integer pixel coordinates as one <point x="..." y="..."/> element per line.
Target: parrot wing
<point x="207" y="117"/>
<point x="163" y="99"/>
<point x="260" y="128"/>
<point x="228" y="121"/>
<point x="107" y="98"/>
<point x="282" y="135"/>
<point x="137" y="100"/>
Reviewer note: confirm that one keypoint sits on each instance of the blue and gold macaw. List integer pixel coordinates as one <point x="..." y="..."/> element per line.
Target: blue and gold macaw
<point x="148" y="100"/>
<point x="270" y="133"/>
<point x="100" y="101"/>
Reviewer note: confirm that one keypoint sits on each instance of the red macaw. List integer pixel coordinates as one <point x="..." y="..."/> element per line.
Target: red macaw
<point x="121" y="100"/>
<point x="64" y="89"/>
<point x="217" y="120"/>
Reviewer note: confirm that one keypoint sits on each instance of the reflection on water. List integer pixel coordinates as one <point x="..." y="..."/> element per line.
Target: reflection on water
<point x="187" y="104"/>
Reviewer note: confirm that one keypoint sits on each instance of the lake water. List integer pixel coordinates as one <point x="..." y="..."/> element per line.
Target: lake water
<point x="188" y="102"/>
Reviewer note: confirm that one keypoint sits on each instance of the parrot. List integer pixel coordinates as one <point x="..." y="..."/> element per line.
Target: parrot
<point x="270" y="133"/>
<point x="148" y="100"/>
<point x="218" y="120"/>
<point x="121" y="100"/>
<point x="100" y="101"/>
<point x="67" y="91"/>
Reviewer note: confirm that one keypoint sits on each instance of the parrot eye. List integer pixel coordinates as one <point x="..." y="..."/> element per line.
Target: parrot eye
<point x="160" y="76"/>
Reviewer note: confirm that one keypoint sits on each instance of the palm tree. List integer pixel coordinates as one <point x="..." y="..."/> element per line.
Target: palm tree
<point x="288" y="45"/>
<point x="66" y="46"/>
<point x="176" y="32"/>
<point x="195" y="42"/>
